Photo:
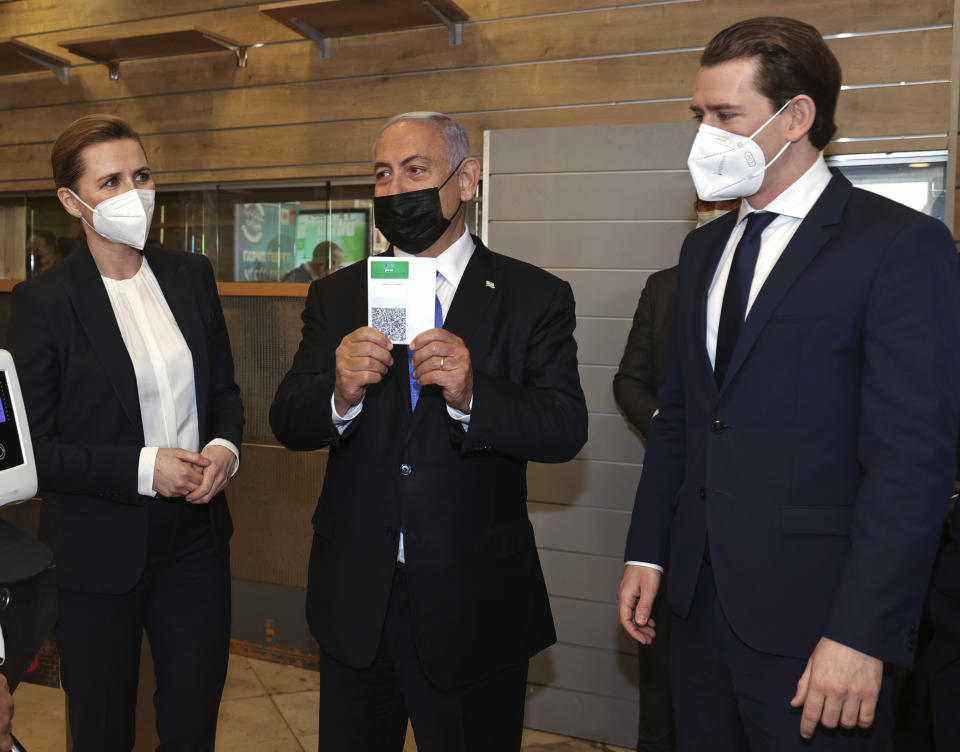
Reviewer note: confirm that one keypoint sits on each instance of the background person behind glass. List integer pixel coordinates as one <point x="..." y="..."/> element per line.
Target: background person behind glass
<point x="128" y="382"/>
<point x="327" y="258"/>
<point x="41" y="252"/>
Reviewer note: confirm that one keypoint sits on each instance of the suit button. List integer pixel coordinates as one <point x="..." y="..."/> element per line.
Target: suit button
<point x="702" y="492"/>
<point x="718" y="426"/>
<point x="405" y="469"/>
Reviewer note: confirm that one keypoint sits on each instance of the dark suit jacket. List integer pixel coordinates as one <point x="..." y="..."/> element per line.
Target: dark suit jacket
<point x="477" y="593"/>
<point x="80" y="392"/>
<point x="635" y="384"/>
<point x="822" y="468"/>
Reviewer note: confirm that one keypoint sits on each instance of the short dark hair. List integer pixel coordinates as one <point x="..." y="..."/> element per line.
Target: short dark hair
<point x="48" y="237"/>
<point x="792" y="59"/>
<point x="323" y="250"/>
<point x="67" y="154"/>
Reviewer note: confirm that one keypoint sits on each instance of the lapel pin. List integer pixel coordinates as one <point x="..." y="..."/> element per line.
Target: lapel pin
<point x="491" y="285"/>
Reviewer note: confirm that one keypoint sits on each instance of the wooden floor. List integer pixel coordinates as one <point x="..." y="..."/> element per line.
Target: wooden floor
<point x="266" y="706"/>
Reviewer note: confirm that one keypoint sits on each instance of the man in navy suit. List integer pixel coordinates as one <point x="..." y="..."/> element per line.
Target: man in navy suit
<point x="801" y="462"/>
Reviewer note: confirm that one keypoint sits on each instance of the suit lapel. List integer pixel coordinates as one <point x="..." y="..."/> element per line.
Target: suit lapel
<point x="478" y="287"/>
<point x="89" y="298"/>
<point x="816" y="229"/>
<point x="179" y="292"/>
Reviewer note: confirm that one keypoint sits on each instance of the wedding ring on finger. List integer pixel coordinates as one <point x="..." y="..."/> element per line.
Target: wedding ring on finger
<point x="441" y="362"/>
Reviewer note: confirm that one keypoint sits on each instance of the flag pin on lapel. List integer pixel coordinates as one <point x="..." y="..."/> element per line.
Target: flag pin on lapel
<point x="491" y="285"/>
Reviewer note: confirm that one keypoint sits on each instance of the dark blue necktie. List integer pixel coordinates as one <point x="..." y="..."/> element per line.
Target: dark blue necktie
<point x="735" y="296"/>
<point x="437" y="322"/>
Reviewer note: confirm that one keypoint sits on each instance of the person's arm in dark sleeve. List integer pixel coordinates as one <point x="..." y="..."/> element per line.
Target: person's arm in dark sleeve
<point x="907" y="443"/>
<point x="104" y="470"/>
<point x="543" y="419"/>
<point x="634" y="385"/>
<point x="301" y="415"/>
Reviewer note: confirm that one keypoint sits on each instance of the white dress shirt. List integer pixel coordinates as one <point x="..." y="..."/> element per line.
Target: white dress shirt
<point x="163" y="366"/>
<point x="792" y="206"/>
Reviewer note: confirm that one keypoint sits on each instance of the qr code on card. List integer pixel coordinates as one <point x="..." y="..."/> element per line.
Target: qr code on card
<point x="390" y="321"/>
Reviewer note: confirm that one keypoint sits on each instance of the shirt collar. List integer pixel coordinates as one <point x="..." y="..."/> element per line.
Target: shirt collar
<point x="798" y="199"/>
<point x="453" y="261"/>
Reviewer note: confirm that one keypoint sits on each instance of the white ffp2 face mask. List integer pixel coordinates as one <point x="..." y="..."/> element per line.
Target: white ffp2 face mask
<point x="726" y="166"/>
<point x="125" y="218"/>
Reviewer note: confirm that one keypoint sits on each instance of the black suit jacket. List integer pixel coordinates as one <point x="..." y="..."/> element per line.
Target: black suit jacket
<point x="477" y="593"/>
<point x="635" y="385"/>
<point x="80" y="392"/>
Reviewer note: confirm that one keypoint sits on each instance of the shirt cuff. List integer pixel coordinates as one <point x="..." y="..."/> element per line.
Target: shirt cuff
<point x="148" y="461"/>
<point x="644" y="564"/>
<point x="340" y="422"/>
<point x="233" y="448"/>
<point x="463" y="418"/>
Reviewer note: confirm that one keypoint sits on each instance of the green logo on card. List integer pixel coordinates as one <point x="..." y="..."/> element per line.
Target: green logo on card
<point x="389" y="269"/>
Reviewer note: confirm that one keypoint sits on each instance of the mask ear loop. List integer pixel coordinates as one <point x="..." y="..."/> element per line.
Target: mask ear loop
<point x="785" y="146"/>
<point x="454" y="172"/>
<point x="74" y="194"/>
<point x="769" y="120"/>
<point x="460" y="205"/>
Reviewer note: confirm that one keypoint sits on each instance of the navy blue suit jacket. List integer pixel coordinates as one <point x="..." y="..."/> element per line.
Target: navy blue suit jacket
<point x="822" y="468"/>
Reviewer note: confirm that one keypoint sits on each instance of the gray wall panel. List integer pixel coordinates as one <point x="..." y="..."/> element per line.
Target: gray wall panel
<point x="601" y="672"/>
<point x="601" y="341"/>
<point x="602" y="208"/>
<point x="582" y="715"/>
<point x="584" y="483"/>
<point x="649" y="245"/>
<point x="628" y="195"/>
<point x="574" y="575"/>
<point x="612" y="439"/>
<point x="594" y="625"/>
<point x="597" y="383"/>
<point x="579" y="529"/>
<point x="605" y="292"/>
<point x="611" y="147"/>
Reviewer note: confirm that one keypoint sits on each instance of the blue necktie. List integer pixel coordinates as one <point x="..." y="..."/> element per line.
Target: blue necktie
<point x="735" y="296"/>
<point x="437" y="322"/>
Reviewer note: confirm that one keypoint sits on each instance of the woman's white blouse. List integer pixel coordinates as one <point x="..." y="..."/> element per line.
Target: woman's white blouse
<point x="164" y="368"/>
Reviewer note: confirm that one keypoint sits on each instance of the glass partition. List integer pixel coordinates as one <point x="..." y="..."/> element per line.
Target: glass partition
<point x="917" y="179"/>
<point x="252" y="232"/>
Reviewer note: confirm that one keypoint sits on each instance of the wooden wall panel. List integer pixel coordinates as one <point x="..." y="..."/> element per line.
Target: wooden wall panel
<point x="657" y="26"/>
<point x="920" y="56"/>
<point x="528" y="63"/>
<point x="344" y="148"/>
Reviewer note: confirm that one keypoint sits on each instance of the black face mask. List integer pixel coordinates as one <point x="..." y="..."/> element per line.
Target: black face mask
<point x="413" y="221"/>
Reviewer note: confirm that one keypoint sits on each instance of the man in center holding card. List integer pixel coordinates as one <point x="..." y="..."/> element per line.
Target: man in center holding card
<point x="425" y="590"/>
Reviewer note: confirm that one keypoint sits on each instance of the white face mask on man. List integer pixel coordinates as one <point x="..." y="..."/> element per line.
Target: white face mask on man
<point x="727" y="166"/>
<point x="125" y="218"/>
